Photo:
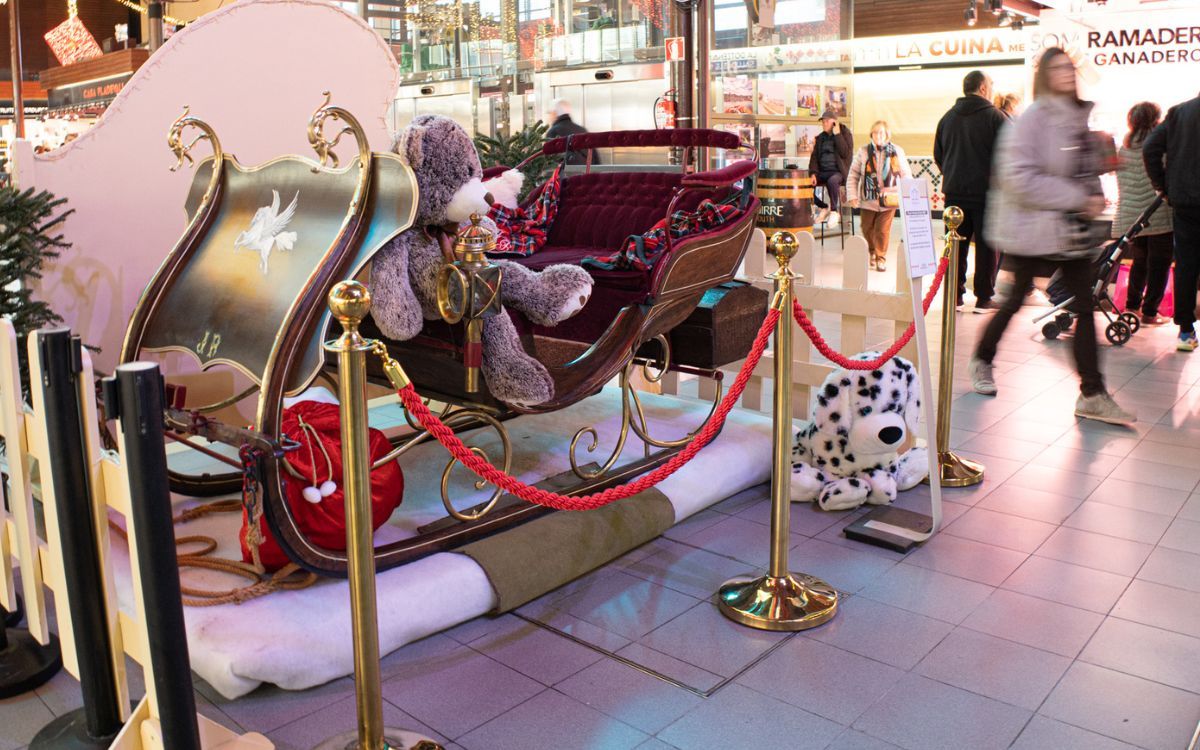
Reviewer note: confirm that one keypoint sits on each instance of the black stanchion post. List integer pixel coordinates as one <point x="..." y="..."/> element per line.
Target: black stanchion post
<point x="99" y="721"/>
<point x="135" y="397"/>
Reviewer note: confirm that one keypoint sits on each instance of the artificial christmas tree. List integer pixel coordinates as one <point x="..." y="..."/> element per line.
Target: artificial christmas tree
<point x="28" y="238"/>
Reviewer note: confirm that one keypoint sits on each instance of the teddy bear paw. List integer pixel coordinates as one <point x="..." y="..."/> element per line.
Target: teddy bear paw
<point x="523" y="381"/>
<point x="844" y="494"/>
<point x="806" y="483"/>
<point x="883" y="488"/>
<point x="571" y="287"/>
<point x="912" y="468"/>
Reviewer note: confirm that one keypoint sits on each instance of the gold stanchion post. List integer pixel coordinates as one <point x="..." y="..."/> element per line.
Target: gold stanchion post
<point x="350" y="302"/>
<point x="953" y="470"/>
<point x="780" y="600"/>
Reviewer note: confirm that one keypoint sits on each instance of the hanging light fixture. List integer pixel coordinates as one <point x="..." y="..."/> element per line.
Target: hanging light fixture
<point x="995" y="7"/>
<point x="971" y="14"/>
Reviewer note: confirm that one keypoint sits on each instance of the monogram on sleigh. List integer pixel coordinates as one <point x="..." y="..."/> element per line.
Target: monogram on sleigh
<point x="245" y="288"/>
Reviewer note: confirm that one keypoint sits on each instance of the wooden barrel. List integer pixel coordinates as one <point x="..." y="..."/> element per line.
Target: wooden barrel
<point x="786" y="200"/>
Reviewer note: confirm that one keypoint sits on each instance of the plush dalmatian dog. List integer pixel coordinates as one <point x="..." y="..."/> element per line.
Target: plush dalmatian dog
<point x="847" y="454"/>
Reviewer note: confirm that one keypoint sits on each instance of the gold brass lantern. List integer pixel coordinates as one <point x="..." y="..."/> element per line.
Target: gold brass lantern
<point x="468" y="288"/>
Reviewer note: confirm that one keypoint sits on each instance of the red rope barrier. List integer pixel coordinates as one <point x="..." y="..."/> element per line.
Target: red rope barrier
<point x="841" y="360"/>
<point x="536" y="495"/>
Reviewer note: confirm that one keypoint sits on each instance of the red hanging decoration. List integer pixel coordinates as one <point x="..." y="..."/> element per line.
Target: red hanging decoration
<point x="71" y="42"/>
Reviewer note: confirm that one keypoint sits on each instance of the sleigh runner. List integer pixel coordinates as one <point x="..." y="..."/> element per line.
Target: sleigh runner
<point x="245" y="289"/>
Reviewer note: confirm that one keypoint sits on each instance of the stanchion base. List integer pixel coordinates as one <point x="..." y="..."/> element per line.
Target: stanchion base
<point x="70" y="732"/>
<point x="793" y="602"/>
<point x="394" y="739"/>
<point x="957" y="471"/>
<point x="13" y="619"/>
<point x="26" y="664"/>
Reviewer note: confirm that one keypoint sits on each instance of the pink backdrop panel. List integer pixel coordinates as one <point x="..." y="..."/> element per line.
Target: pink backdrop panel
<point x="253" y="70"/>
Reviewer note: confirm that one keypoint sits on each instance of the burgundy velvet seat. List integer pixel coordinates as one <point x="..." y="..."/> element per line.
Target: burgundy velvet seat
<point x="597" y="212"/>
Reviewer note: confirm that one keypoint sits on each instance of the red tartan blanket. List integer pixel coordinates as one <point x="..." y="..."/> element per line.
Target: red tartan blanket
<point x="523" y="231"/>
<point x="640" y="251"/>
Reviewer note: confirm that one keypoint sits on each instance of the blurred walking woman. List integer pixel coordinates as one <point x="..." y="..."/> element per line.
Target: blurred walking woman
<point x="1152" y="250"/>
<point x="1045" y="197"/>
<point x="873" y="187"/>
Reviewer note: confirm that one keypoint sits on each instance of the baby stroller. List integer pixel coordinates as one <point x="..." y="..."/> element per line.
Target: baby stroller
<point x="1121" y="324"/>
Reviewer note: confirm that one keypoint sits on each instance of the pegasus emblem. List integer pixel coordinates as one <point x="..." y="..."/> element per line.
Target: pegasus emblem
<point x="266" y="230"/>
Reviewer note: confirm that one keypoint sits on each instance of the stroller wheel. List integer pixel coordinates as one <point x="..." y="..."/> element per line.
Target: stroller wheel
<point x="1051" y="330"/>
<point x="1117" y="333"/>
<point x="1063" y="321"/>
<point x="1131" y="320"/>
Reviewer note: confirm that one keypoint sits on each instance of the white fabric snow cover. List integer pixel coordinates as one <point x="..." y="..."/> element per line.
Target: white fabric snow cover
<point x="298" y="639"/>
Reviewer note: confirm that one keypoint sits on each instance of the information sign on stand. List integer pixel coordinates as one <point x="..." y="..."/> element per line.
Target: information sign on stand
<point x="897" y="528"/>
<point x="917" y="211"/>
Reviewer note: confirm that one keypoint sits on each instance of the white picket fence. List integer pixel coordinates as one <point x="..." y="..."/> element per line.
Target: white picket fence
<point x="40" y="559"/>
<point x="852" y="301"/>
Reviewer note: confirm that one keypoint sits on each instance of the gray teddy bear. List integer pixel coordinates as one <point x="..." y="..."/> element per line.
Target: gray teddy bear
<point x="404" y="273"/>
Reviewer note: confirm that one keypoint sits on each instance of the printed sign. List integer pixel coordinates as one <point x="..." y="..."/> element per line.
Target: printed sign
<point x="675" y="49"/>
<point x="96" y="92"/>
<point x="918" y="227"/>
<point x="958" y="47"/>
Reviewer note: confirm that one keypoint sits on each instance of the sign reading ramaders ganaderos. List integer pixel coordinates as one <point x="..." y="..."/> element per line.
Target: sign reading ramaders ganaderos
<point x="1125" y="56"/>
<point x="1180" y="44"/>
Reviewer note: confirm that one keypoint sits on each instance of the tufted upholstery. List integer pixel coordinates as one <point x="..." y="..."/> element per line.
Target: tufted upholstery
<point x="601" y="209"/>
<point x="679" y="137"/>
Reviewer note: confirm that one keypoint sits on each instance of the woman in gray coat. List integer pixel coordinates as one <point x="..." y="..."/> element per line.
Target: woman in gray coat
<point x="1045" y="195"/>
<point x="1152" y="250"/>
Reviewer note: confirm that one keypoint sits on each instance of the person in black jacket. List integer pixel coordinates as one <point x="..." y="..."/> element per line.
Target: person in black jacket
<point x="1177" y="143"/>
<point x="830" y="163"/>
<point x="962" y="148"/>
<point x="563" y="125"/>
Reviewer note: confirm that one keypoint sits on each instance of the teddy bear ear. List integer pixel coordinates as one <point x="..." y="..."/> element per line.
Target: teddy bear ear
<point x="912" y="390"/>
<point x="410" y="146"/>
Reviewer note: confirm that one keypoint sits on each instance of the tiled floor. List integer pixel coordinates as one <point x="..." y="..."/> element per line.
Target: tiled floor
<point x="1059" y="608"/>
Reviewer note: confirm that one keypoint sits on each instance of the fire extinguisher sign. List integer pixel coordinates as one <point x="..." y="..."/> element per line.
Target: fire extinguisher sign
<point x="674" y="47"/>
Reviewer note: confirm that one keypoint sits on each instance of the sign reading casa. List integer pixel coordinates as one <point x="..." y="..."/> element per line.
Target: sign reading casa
<point x="1148" y="46"/>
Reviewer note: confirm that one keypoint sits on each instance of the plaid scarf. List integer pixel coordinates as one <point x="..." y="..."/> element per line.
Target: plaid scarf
<point x="891" y="171"/>
<point x="523" y="230"/>
<point x="640" y="251"/>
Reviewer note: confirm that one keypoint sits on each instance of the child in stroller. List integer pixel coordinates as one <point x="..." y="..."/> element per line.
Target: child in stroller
<point x="1121" y="324"/>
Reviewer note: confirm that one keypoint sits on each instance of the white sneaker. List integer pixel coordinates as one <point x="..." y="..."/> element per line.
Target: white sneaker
<point x="982" y="379"/>
<point x="834" y="218"/>
<point x="822" y="215"/>
<point x="1102" y="408"/>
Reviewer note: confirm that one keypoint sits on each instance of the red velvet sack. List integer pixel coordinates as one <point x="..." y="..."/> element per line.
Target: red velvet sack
<point x="324" y="522"/>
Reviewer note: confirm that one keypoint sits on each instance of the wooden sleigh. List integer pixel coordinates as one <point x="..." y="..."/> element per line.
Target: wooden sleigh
<point x="246" y="285"/>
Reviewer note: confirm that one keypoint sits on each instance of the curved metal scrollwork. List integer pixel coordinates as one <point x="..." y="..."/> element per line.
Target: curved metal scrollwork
<point x="183" y="152"/>
<point x="633" y="416"/>
<point x="506" y="458"/>
<point x="325" y="147"/>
